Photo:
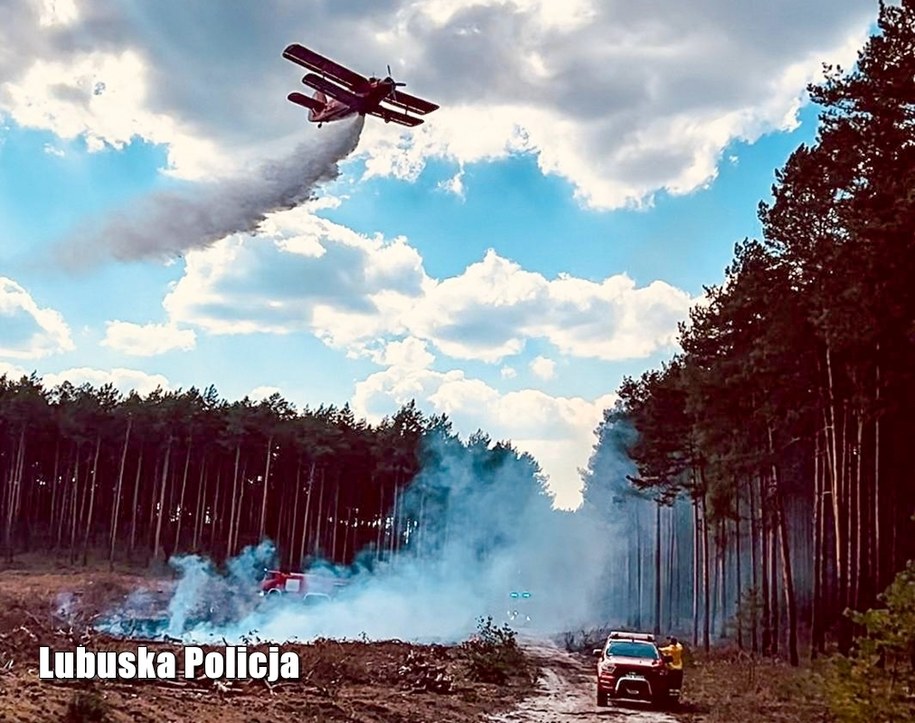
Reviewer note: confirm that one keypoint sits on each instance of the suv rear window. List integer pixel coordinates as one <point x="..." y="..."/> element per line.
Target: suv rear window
<point x="628" y="649"/>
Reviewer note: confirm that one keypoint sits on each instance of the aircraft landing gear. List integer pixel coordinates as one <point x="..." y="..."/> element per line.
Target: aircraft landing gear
<point x="320" y="124"/>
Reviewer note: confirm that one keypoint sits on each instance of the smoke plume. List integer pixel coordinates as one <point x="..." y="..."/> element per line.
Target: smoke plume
<point x="489" y="548"/>
<point x="167" y="224"/>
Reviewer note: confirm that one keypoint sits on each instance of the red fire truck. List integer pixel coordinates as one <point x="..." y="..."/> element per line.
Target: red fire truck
<point x="311" y="587"/>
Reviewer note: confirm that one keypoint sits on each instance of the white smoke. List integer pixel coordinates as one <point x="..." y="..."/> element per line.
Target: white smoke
<point x="167" y="224"/>
<point x="490" y="540"/>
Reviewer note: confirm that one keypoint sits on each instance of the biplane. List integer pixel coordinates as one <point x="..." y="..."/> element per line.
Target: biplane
<point x="341" y="92"/>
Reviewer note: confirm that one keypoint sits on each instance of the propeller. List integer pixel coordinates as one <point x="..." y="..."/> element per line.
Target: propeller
<point x="396" y="84"/>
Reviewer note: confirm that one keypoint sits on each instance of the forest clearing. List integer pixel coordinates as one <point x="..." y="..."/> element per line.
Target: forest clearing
<point x="752" y="495"/>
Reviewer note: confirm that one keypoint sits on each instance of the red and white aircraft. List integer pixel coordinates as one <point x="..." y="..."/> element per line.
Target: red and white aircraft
<point x="359" y="94"/>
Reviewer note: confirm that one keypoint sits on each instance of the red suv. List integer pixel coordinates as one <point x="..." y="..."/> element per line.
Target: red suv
<point x="632" y="668"/>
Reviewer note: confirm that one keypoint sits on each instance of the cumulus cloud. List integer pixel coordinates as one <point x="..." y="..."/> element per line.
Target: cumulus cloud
<point x="11" y="371"/>
<point x="359" y="293"/>
<point x="124" y="380"/>
<point x="29" y="331"/>
<point x="300" y="273"/>
<point x="623" y="100"/>
<point x="263" y="392"/>
<point x="543" y="367"/>
<point x="147" y="339"/>
<point x="557" y="431"/>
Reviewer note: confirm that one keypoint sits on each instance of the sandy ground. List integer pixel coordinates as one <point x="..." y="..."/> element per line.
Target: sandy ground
<point x="566" y="693"/>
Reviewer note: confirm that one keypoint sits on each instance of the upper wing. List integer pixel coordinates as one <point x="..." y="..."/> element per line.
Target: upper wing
<point x="411" y="102"/>
<point x="328" y="88"/>
<point x="395" y="116"/>
<point x="313" y="61"/>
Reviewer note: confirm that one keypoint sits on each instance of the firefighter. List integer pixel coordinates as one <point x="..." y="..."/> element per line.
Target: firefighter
<point x="675" y="650"/>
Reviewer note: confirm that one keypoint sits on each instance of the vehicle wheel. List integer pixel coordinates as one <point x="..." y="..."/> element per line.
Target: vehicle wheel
<point x="602" y="699"/>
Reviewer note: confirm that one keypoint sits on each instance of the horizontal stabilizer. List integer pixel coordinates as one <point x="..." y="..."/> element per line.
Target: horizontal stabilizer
<point x="304" y="100"/>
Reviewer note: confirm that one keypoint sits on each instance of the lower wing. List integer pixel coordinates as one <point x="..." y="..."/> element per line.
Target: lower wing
<point x="331" y="90"/>
<point x="393" y="116"/>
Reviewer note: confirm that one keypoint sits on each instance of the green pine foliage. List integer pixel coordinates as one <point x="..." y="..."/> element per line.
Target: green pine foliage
<point x="876" y="684"/>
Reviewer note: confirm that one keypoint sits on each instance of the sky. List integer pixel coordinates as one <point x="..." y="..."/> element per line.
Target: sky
<point x="168" y="219"/>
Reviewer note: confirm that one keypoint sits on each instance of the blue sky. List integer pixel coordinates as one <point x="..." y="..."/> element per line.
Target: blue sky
<point x="507" y="263"/>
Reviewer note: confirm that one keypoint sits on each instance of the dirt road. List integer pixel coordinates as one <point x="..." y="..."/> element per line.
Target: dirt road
<point x="566" y="693"/>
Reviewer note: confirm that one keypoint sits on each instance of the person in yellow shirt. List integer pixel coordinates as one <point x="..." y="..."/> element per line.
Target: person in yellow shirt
<point x="675" y="650"/>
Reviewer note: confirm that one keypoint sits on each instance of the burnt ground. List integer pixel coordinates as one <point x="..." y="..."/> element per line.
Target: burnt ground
<point x="389" y="682"/>
<point x="383" y="682"/>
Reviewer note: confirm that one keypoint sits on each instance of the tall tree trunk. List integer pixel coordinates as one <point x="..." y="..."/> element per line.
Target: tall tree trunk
<point x="200" y="508"/>
<point x="263" y="521"/>
<point x="878" y="550"/>
<point x="382" y="523"/>
<point x="55" y="482"/>
<point x="319" y="544"/>
<point x="116" y="509"/>
<point x="134" y="510"/>
<point x="162" y="490"/>
<point x="860" y="508"/>
<point x="187" y="464"/>
<point x="816" y="622"/>
<point x="836" y="492"/>
<point x="293" y="523"/>
<point x="13" y="491"/>
<point x="722" y="578"/>
<point x="696" y="576"/>
<point x="657" y="569"/>
<point x="774" y="605"/>
<point x="77" y="516"/>
<point x="672" y="564"/>
<point x="229" y="542"/>
<point x="93" y="483"/>
<point x="787" y="577"/>
<point x="306" y="521"/>
<point x="754" y="565"/>
<point x="764" y="555"/>
<point x="333" y="544"/>
<point x="706" y="632"/>
<point x="739" y="581"/>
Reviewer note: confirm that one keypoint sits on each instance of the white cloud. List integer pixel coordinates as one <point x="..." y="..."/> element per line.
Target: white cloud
<point x="57" y="12"/>
<point x="304" y="273"/>
<point x="620" y="99"/>
<point x="508" y="372"/>
<point x="11" y="371"/>
<point x="122" y="379"/>
<point x="411" y="353"/>
<point x="494" y="306"/>
<point x="263" y="392"/>
<point x="147" y="339"/>
<point x="300" y="273"/>
<point x="102" y="97"/>
<point x="29" y="331"/>
<point x="557" y="431"/>
<point x="543" y="367"/>
<point x="454" y="185"/>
